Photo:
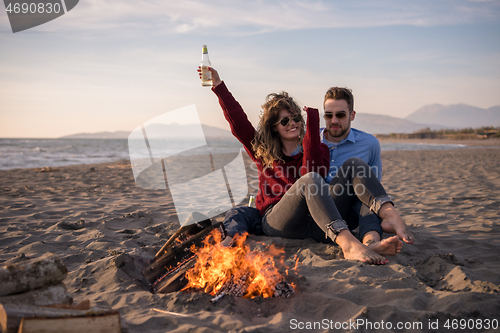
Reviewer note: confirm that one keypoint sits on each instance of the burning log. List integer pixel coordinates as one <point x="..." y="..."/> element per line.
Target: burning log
<point x="194" y="258"/>
<point x="236" y="271"/>
<point x="166" y="273"/>
<point x="234" y="287"/>
<point x="182" y="235"/>
<point x="173" y="280"/>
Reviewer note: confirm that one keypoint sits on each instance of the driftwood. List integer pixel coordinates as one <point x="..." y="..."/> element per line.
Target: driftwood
<point x="83" y="305"/>
<point x="109" y="323"/>
<point x="11" y="316"/>
<point x="32" y="274"/>
<point x="175" y="280"/>
<point x="45" y="296"/>
<point x="166" y="273"/>
<point x="183" y="234"/>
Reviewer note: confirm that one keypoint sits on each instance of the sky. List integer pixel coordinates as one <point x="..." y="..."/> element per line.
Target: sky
<point x="113" y="65"/>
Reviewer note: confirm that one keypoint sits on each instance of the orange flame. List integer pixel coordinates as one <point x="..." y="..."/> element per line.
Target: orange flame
<point x="217" y="265"/>
<point x="296" y="263"/>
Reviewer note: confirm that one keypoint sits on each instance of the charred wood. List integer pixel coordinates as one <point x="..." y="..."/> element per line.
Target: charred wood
<point x="166" y="272"/>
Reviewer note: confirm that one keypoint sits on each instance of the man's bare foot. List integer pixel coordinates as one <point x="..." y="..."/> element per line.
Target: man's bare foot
<point x="386" y="247"/>
<point x="354" y="250"/>
<point x="393" y="223"/>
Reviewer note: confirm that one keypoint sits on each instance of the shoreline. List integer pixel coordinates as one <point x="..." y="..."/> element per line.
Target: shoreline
<point x="412" y="144"/>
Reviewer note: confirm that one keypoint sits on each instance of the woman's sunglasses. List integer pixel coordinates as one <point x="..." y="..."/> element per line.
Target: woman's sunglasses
<point x="339" y="115"/>
<point x="286" y="120"/>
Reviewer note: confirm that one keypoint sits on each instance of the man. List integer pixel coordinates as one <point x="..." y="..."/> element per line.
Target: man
<point x="344" y="143"/>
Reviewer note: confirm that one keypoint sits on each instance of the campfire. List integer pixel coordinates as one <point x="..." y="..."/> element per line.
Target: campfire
<point x="195" y="259"/>
<point x="236" y="270"/>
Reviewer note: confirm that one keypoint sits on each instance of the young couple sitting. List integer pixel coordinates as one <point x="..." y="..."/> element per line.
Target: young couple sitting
<point x="311" y="184"/>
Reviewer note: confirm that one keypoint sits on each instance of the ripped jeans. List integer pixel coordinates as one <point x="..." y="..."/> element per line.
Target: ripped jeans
<point x="311" y="206"/>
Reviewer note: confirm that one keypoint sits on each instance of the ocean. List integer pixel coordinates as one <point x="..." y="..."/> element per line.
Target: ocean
<point x="38" y="153"/>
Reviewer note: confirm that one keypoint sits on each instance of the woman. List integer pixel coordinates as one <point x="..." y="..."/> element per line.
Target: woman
<point x="293" y="199"/>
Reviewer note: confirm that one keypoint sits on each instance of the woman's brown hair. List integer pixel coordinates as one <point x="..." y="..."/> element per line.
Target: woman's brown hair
<point x="267" y="144"/>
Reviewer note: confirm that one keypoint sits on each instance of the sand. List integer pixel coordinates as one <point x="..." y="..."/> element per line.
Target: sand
<point x="105" y="228"/>
<point x="485" y="143"/>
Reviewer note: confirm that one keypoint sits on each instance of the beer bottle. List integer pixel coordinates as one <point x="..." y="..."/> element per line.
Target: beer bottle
<point x="206" y="76"/>
<point x="251" y="201"/>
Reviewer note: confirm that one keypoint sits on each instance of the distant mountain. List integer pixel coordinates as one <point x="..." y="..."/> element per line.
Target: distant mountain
<point x="156" y="130"/>
<point x="456" y="116"/>
<point x="98" y="135"/>
<point x="435" y="116"/>
<point x="182" y="131"/>
<point x="382" y="124"/>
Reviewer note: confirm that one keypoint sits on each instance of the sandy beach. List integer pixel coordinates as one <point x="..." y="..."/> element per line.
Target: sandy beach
<point x="105" y="228"/>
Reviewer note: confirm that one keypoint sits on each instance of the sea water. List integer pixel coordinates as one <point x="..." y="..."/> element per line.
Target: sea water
<point x="38" y="153"/>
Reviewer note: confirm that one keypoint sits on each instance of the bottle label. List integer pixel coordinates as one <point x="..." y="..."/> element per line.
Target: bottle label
<point x="205" y="50"/>
<point x="251" y="201"/>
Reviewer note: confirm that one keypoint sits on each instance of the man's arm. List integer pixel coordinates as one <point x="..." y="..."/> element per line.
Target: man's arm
<point x="376" y="160"/>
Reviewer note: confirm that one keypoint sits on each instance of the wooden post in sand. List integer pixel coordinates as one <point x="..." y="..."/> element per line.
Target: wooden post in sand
<point x="57" y="294"/>
<point x="41" y="319"/>
<point x="32" y="274"/>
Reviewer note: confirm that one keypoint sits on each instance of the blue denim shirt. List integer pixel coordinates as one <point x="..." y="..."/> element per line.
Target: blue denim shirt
<point x="357" y="144"/>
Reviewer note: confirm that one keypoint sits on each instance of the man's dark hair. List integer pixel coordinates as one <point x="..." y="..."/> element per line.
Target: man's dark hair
<point x="338" y="93"/>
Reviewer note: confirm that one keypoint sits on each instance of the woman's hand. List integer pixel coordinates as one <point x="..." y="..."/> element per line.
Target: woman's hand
<point x="215" y="76"/>
<point x="306" y="109"/>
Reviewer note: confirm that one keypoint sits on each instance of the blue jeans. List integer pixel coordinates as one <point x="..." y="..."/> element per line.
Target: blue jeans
<point x="362" y="217"/>
<point x="243" y="219"/>
<point x="310" y="207"/>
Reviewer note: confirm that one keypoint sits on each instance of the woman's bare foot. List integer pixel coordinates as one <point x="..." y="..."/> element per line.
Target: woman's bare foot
<point x="386" y="247"/>
<point x="354" y="250"/>
<point x="393" y="223"/>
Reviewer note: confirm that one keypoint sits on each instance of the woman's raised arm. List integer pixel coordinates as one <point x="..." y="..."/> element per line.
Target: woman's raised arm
<point x="316" y="154"/>
<point x="241" y="127"/>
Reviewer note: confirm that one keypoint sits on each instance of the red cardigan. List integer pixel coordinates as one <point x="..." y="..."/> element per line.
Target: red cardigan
<point x="273" y="183"/>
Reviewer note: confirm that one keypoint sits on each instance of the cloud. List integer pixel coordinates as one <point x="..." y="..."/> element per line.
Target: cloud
<point x="244" y="16"/>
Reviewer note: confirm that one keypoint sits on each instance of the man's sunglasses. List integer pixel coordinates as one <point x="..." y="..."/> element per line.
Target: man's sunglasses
<point x="286" y="120"/>
<point x="339" y="115"/>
